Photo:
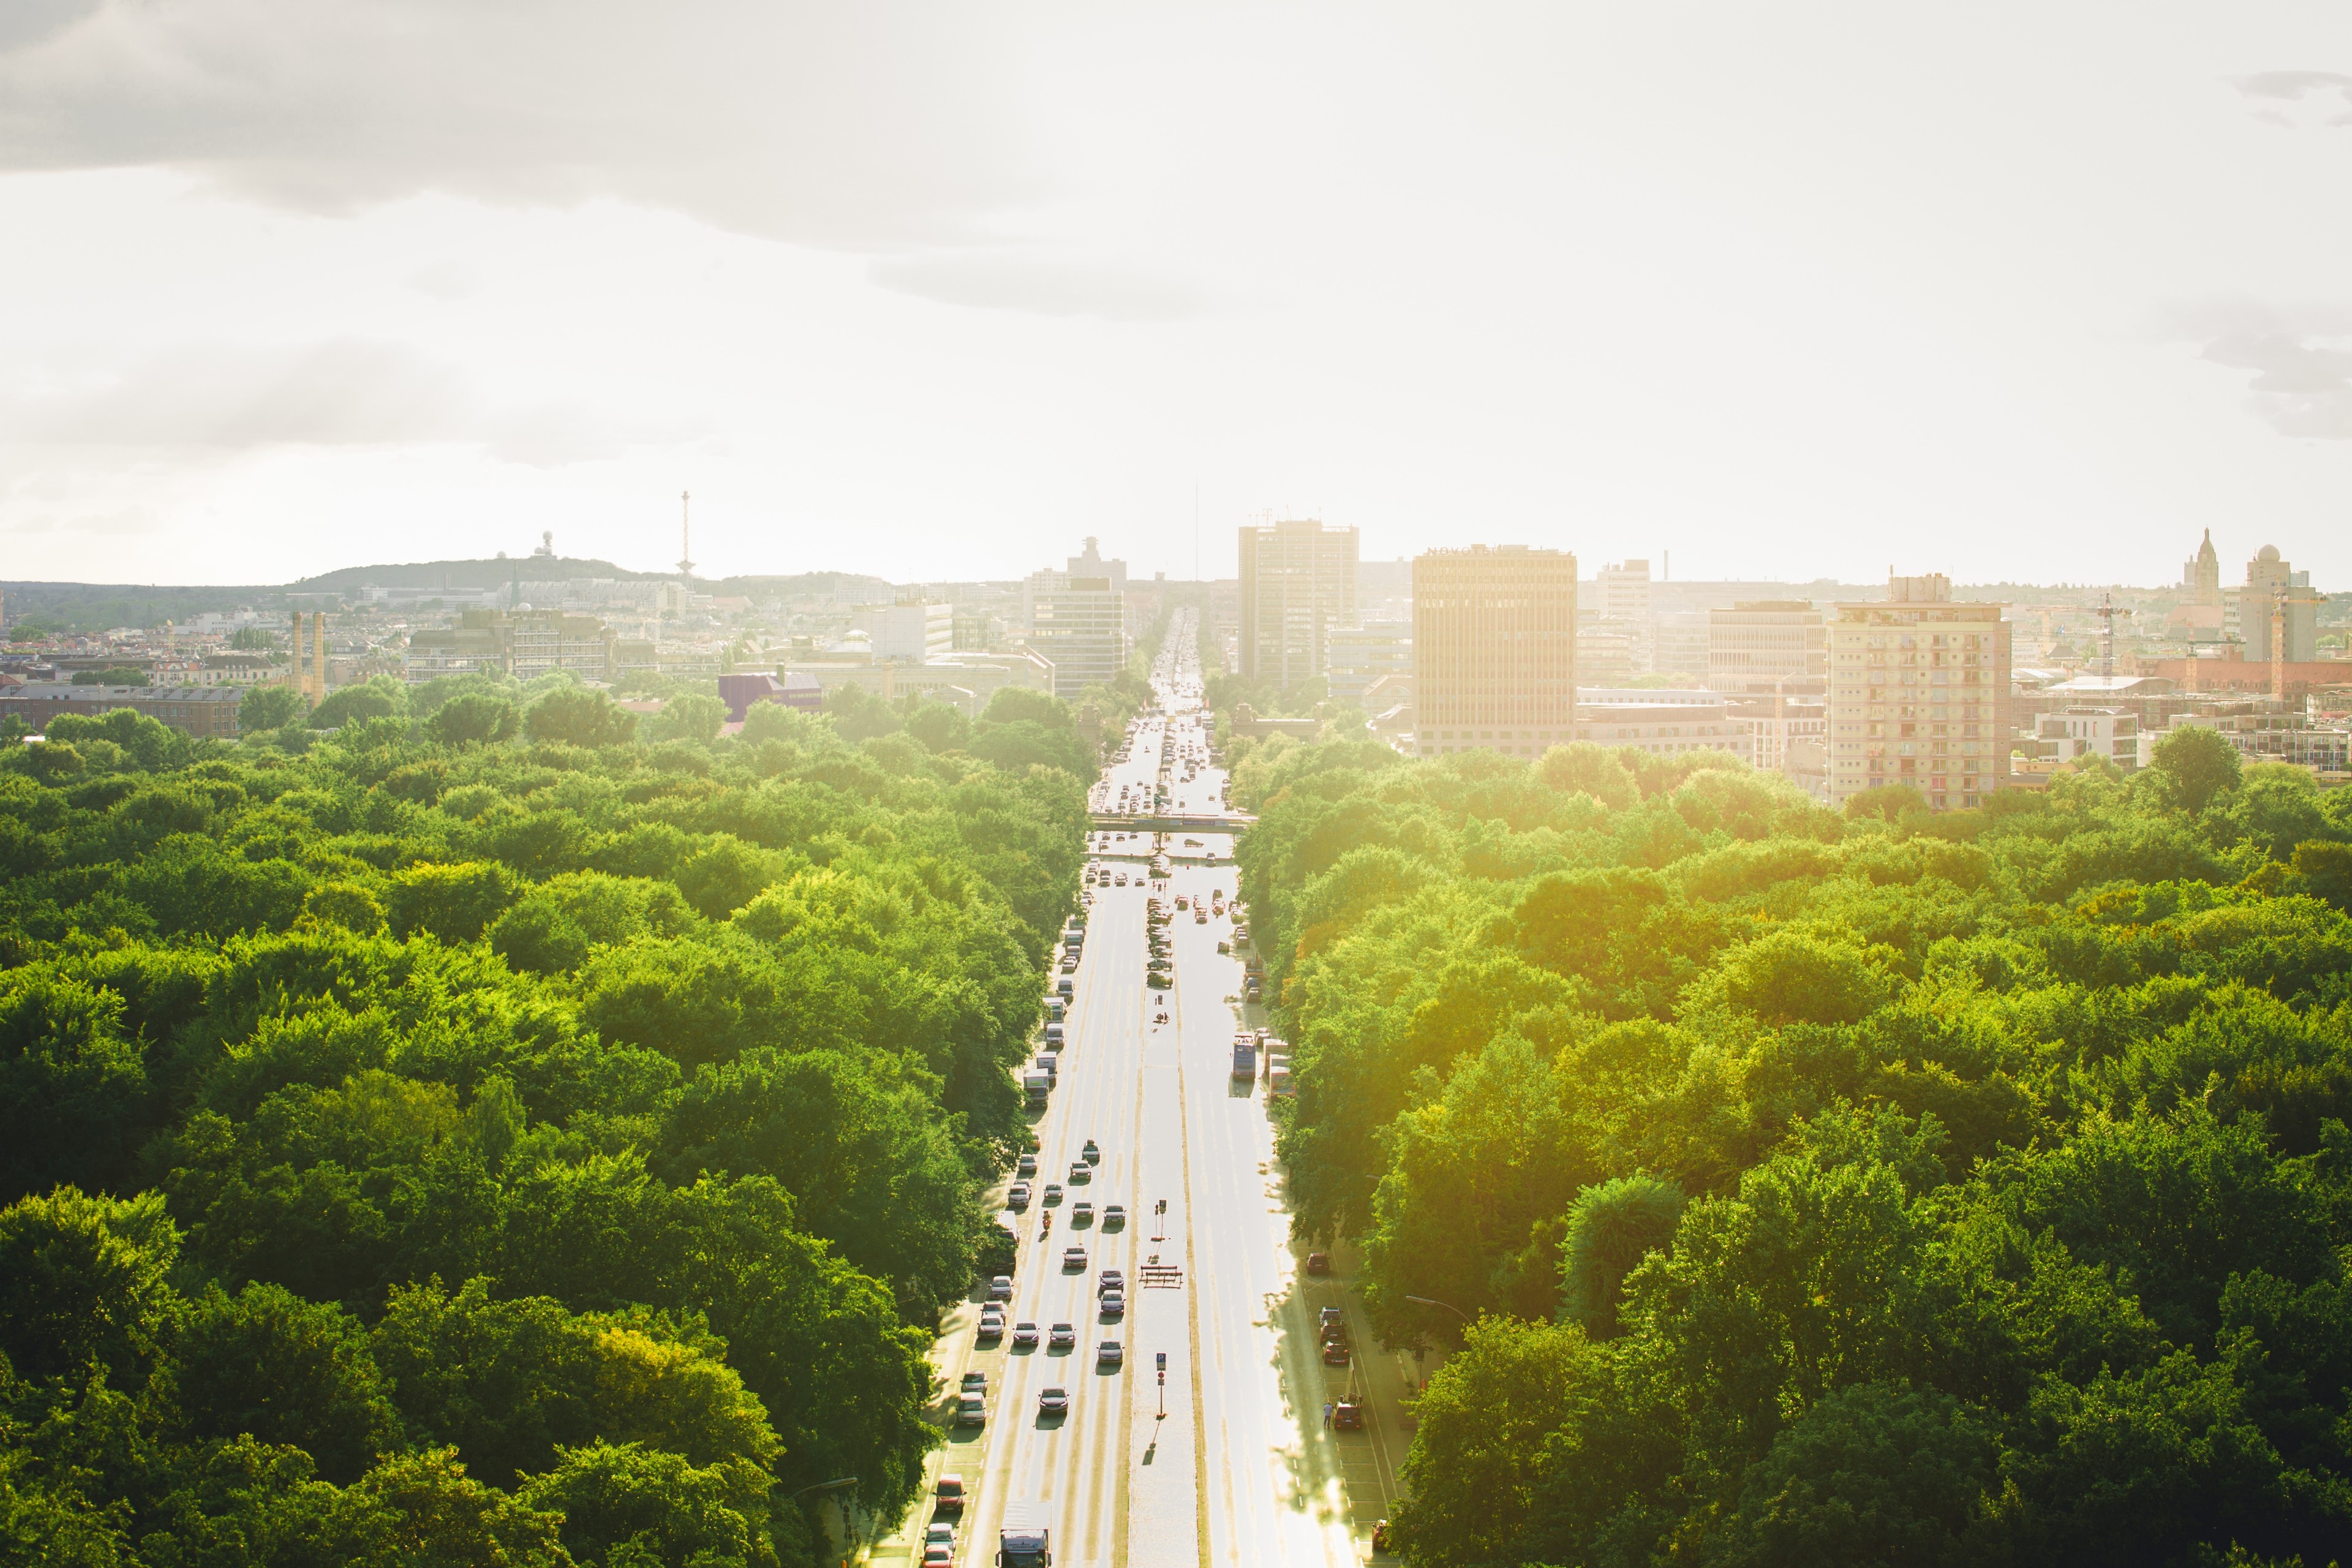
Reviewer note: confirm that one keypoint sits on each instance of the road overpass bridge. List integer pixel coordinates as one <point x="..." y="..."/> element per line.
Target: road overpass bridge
<point x="1118" y="822"/>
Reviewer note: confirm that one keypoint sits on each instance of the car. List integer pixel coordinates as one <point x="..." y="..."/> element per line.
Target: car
<point x="1109" y="1280"/>
<point x="1335" y="1352"/>
<point x="992" y="1325"/>
<point x="1081" y="1210"/>
<point x="972" y="1412"/>
<point x="1114" y="1214"/>
<point x="1120" y="881"/>
<point x="1073" y="1258"/>
<point x="946" y="1494"/>
<point x="1001" y="1287"/>
<point x="1081" y="1171"/>
<point x="1028" y="1165"/>
<point x="1054" y="1401"/>
<point x="1025" y="1333"/>
<point x="937" y="1557"/>
<point x="1114" y="1304"/>
<point x="939" y="1533"/>
<point x="1065" y="1336"/>
<point x="1348" y="1416"/>
<point x="1017" y="1195"/>
<point x="1332" y="1318"/>
<point x="1092" y="1152"/>
<point x="1053" y="1193"/>
<point x="1318" y="1263"/>
<point x="975" y="1382"/>
<point x="1110" y="1352"/>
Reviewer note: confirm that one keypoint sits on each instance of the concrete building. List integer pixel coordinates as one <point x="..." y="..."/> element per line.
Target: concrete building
<point x="1759" y="645"/>
<point x="1299" y="586"/>
<point x="1624" y="591"/>
<point x="527" y="643"/>
<point x="207" y="712"/>
<point x="1787" y="735"/>
<point x="1494" y="649"/>
<point x="1680" y="644"/>
<point x="2070" y="734"/>
<point x="2276" y="594"/>
<point x="911" y="632"/>
<point x="1604" y="655"/>
<point x="960" y="683"/>
<point x="1080" y="625"/>
<point x="1665" y="729"/>
<point x="1359" y="655"/>
<point x="1918" y="695"/>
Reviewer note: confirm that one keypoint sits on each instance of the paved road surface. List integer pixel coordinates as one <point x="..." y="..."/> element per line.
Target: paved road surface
<point x="1240" y="1470"/>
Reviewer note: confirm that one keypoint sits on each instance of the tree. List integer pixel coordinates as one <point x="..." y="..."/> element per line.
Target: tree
<point x="689" y="716"/>
<point x="575" y="716"/>
<point x="2192" y="766"/>
<point x="74" y="1090"/>
<point x="85" y="1280"/>
<point x="1470" y="1484"/>
<point x="112" y="675"/>
<point x="51" y="760"/>
<point x="474" y="718"/>
<point x="268" y="708"/>
<point x="1873" y="1474"/>
<point x="939" y="726"/>
<point x="268" y="1365"/>
<point x="422" y="1511"/>
<point x="379" y="697"/>
<point x="858" y="715"/>
<point x="627" y="1504"/>
<point x="456" y="903"/>
<point x="1610" y="1228"/>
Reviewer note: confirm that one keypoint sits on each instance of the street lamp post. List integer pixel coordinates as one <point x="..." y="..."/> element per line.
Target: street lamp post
<point x="1426" y="1301"/>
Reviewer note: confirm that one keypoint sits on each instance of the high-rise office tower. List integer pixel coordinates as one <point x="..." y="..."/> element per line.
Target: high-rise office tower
<point x="1081" y="625"/>
<point x="1919" y="695"/>
<point x="1494" y="648"/>
<point x="2269" y="581"/>
<point x="1298" y="584"/>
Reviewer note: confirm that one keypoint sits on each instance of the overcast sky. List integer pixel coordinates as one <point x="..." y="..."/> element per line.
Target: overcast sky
<point x="2016" y="292"/>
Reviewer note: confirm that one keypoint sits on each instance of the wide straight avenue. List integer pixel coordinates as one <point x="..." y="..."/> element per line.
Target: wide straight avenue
<point x="1240" y="1469"/>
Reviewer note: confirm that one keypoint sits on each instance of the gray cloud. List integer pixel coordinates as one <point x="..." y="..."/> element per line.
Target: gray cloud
<point x="340" y="392"/>
<point x="849" y="125"/>
<point x="2300" y="357"/>
<point x="1040" y="286"/>
<point x="2299" y="87"/>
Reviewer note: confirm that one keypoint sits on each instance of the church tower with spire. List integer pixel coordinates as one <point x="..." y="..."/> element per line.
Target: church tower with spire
<point x="2202" y="574"/>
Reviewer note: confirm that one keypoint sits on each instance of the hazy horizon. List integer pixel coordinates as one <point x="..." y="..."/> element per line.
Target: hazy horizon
<point x="2010" y="294"/>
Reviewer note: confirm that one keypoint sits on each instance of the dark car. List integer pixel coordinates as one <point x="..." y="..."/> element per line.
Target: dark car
<point x="1348" y="1416"/>
<point x="1335" y="1353"/>
<point x="1318" y="1263"/>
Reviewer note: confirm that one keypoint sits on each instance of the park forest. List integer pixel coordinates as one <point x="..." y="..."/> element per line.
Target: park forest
<point x="1875" y="1187"/>
<point x="449" y="1127"/>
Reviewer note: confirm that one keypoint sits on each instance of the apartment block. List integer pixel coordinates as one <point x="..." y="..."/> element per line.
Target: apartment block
<point x="1299" y="586"/>
<point x="1759" y="645"/>
<point x="525" y="644"/>
<point x="1919" y="695"/>
<point x="1494" y="645"/>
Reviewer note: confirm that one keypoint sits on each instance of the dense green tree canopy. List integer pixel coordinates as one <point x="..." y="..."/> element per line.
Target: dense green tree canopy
<point x="453" y="1132"/>
<point x="1876" y="1187"/>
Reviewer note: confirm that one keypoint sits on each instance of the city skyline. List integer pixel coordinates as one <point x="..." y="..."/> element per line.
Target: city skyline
<point x="1704" y="286"/>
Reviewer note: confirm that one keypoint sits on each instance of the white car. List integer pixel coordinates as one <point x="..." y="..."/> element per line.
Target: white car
<point x="1110" y="1352"/>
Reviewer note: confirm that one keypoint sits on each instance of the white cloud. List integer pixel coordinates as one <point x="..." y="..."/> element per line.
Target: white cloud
<point x="344" y="392"/>
<point x="1042" y="286"/>
<point x="2300" y="357"/>
<point x="825" y="123"/>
